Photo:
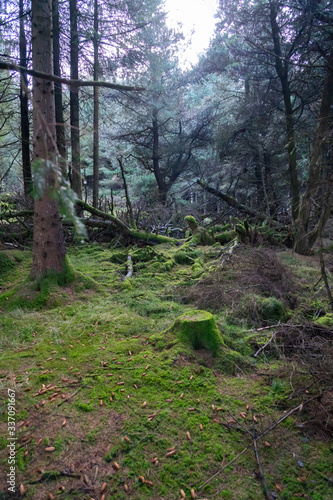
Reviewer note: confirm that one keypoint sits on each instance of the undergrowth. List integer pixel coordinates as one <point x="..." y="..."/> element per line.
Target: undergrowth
<point x="106" y="392"/>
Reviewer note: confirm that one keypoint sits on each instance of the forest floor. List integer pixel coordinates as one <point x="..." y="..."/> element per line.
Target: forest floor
<point x="111" y="404"/>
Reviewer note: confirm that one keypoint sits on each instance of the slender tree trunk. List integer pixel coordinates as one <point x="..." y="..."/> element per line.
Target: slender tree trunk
<point x="96" y="112"/>
<point x="25" y="127"/>
<point x="162" y="187"/>
<point x="59" y="114"/>
<point x="49" y="249"/>
<point x="317" y="200"/>
<point x="281" y="67"/>
<point x="74" y="102"/>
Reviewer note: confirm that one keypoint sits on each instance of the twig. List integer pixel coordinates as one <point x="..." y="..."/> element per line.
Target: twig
<point x="266" y="431"/>
<point x="267" y="343"/>
<point x="69" y="397"/>
<point x="256" y="454"/>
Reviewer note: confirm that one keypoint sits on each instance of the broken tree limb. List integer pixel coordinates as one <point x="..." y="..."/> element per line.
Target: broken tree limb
<point x="266" y="431"/>
<point x="266" y="491"/>
<point x="149" y="238"/>
<point x="231" y="201"/>
<point x="13" y="215"/>
<point x="129" y="266"/>
<point x="125" y="230"/>
<point x="67" y="81"/>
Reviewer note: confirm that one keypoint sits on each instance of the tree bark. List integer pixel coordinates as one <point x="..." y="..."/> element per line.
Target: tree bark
<point x="49" y="249"/>
<point x="317" y="200"/>
<point x="76" y="179"/>
<point x="162" y="187"/>
<point x="96" y="112"/>
<point x="59" y="114"/>
<point x="281" y="66"/>
<point x="25" y="127"/>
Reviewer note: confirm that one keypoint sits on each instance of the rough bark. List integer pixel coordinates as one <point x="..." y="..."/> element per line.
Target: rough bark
<point x="162" y="187"/>
<point x="59" y="114"/>
<point x="128" y="200"/>
<point x="76" y="179"/>
<point x="49" y="249"/>
<point x="281" y="66"/>
<point x="96" y="113"/>
<point x="25" y="127"/>
<point x="317" y="200"/>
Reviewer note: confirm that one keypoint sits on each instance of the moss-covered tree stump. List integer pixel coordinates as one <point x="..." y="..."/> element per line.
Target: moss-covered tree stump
<point x="199" y="234"/>
<point x="199" y="329"/>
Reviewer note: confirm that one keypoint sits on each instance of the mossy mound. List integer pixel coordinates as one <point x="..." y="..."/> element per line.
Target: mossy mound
<point x="6" y="264"/>
<point x="199" y="329"/>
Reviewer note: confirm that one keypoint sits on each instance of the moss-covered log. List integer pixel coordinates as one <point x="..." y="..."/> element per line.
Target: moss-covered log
<point x="124" y="229"/>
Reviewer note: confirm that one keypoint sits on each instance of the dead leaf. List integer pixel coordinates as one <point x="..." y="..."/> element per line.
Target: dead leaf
<point x="126" y="487"/>
<point x="182" y="492"/>
<point x="115" y="465"/>
<point x="144" y="404"/>
<point x="188" y="435"/>
<point x="50" y="448"/>
<point x="193" y="493"/>
<point x="278" y="487"/>
<point x="22" y="489"/>
<point x="104" y="485"/>
<point x="64" y="422"/>
<point x="201" y="427"/>
<point x="243" y="414"/>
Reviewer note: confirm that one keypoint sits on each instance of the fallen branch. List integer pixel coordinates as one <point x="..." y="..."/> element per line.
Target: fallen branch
<point x="54" y="474"/>
<point x="256" y="454"/>
<point x="264" y="433"/>
<point x="231" y="201"/>
<point x="69" y="397"/>
<point x="267" y="343"/>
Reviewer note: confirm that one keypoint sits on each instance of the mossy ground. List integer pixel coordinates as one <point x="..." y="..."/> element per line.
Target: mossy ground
<point x="101" y="379"/>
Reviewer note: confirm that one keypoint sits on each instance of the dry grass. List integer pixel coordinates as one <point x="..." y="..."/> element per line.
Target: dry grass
<point x="247" y="270"/>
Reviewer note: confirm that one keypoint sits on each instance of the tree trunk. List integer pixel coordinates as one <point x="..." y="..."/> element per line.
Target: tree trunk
<point x="25" y="128"/>
<point x="59" y="114"/>
<point x="316" y="203"/>
<point x="96" y="112"/>
<point x="49" y="249"/>
<point x="74" y="103"/>
<point x="162" y="188"/>
<point x="281" y="66"/>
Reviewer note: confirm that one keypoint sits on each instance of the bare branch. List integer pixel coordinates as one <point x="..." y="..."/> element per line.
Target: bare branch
<point x="67" y="81"/>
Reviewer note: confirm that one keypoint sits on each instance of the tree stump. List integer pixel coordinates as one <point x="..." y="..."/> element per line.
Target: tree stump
<point x="199" y="329"/>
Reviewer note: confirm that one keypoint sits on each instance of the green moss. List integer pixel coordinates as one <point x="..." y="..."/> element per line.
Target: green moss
<point x="6" y="264"/>
<point x="85" y="407"/>
<point x="197" y="270"/>
<point x="272" y="309"/>
<point x="182" y="257"/>
<point x="191" y="221"/>
<point x="225" y="237"/>
<point x="127" y="285"/>
<point x="326" y="320"/>
<point x="199" y="329"/>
